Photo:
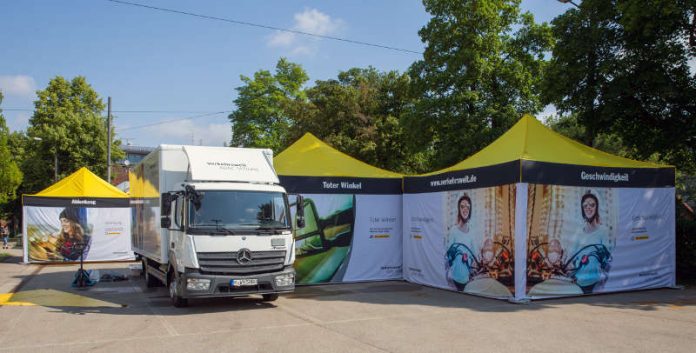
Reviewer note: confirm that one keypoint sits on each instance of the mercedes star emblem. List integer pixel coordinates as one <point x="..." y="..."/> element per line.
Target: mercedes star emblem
<point x="244" y="256"/>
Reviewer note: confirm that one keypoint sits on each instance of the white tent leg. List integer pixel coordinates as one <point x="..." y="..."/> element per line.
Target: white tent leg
<point x="521" y="244"/>
<point x="25" y="237"/>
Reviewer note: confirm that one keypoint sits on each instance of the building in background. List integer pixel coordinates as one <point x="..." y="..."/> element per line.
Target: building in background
<point x="134" y="154"/>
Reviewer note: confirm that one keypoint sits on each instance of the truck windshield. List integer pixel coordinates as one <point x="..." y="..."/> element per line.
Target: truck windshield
<point x="229" y="211"/>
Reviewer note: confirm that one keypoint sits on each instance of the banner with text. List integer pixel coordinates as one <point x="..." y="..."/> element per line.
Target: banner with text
<point x="57" y="234"/>
<point x="461" y="240"/>
<point x="594" y="240"/>
<point x="349" y="238"/>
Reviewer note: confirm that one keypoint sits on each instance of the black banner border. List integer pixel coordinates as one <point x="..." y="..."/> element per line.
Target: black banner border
<point x="535" y="172"/>
<point x="488" y="176"/>
<point x="87" y="202"/>
<point x="315" y="185"/>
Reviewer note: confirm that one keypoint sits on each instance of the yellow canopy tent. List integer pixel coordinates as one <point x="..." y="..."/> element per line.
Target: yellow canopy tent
<point x="531" y="152"/>
<point x="80" y="208"/>
<point x="537" y="215"/>
<point x="352" y="213"/>
<point x="82" y="183"/>
<point x="310" y="160"/>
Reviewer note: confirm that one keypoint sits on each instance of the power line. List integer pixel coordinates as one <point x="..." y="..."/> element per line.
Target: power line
<point x="167" y="111"/>
<point x="171" y="121"/>
<point x="135" y="111"/>
<point x="244" y="23"/>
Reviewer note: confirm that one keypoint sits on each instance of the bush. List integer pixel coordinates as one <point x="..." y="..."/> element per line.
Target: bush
<point x="686" y="250"/>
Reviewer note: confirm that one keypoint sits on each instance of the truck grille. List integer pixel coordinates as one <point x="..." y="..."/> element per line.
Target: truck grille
<point x="225" y="263"/>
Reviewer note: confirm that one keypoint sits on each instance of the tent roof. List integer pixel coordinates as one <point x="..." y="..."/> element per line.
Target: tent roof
<point x="309" y="156"/>
<point x="82" y="183"/>
<point x="530" y="140"/>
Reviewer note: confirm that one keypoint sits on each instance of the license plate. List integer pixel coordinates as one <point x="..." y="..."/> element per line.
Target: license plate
<point x="244" y="282"/>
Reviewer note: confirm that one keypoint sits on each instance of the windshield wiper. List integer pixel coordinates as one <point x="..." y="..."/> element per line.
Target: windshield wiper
<point x="218" y="228"/>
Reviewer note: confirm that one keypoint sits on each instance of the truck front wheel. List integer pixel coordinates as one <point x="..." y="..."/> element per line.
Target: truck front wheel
<point x="174" y="294"/>
<point x="270" y="297"/>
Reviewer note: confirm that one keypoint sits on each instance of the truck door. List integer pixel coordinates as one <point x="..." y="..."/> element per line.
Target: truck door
<point x="176" y="232"/>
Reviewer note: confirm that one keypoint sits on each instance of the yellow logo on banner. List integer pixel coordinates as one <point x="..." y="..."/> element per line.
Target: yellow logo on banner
<point x="417" y="236"/>
<point x="380" y="236"/>
<point x="641" y="237"/>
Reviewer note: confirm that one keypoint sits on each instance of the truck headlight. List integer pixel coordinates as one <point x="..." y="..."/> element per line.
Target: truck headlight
<point x="285" y="280"/>
<point x="197" y="284"/>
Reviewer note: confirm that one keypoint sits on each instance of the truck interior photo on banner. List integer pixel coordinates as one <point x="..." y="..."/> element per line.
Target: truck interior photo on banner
<point x="348" y="238"/>
<point x="322" y="246"/>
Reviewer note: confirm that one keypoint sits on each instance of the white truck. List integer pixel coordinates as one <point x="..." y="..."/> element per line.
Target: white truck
<point x="212" y="222"/>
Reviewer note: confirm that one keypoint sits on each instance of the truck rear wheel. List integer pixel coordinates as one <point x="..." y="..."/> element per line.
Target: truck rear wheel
<point x="174" y="295"/>
<point x="270" y="297"/>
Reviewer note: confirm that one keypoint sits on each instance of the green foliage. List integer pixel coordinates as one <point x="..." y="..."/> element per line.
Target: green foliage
<point x="622" y="68"/>
<point x="360" y="114"/>
<point x="261" y="118"/>
<point x="480" y="73"/>
<point x="10" y="175"/>
<point x="67" y="120"/>
<point x="569" y="126"/>
<point x="686" y="248"/>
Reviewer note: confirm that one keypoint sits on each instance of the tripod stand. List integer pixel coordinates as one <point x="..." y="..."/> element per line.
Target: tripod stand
<point x="81" y="277"/>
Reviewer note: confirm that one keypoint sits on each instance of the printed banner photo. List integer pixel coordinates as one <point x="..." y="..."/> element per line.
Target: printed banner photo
<point x="348" y="238"/>
<point x="594" y="240"/>
<point x="461" y="240"/>
<point x="68" y="233"/>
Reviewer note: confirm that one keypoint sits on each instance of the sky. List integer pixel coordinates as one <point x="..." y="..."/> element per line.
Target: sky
<point x="172" y="77"/>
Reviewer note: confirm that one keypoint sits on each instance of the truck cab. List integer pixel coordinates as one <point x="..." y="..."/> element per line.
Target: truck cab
<point x="225" y="227"/>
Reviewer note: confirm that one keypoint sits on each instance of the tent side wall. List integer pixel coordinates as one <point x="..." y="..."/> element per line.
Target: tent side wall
<point x="352" y="212"/>
<point x="101" y="224"/>
<point x="597" y="229"/>
<point x="546" y="240"/>
<point x="459" y="230"/>
<point x="353" y="229"/>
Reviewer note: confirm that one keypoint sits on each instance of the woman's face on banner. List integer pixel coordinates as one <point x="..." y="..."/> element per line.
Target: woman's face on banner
<point x="589" y="208"/>
<point x="464" y="209"/>
<point x="66" y="225"/>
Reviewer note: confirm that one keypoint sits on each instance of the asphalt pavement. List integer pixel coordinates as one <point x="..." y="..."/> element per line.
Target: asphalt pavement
<point x="41" y="311"/>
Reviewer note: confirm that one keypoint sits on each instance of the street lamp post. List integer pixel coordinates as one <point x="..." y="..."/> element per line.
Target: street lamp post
<point x="569" y="2"/>
<point x="55" y="160"/>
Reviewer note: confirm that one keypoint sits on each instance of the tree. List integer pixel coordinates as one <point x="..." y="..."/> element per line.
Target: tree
<point x="360" y="113"/>
<point x="261" y="117"/>
<point x="479" y="74"/>
<point x="577" y="76"/>
<point x="622" y="68"/>
<point x="67" y="126"/>
<point x="569" y="126"/>
<point x="10" y="175"/>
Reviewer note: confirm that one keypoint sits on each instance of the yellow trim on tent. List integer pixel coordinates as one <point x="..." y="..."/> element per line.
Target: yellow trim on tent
<point x="310" y="156"/>
<point x="530" y="140"/>
<point x="82" y="183"/>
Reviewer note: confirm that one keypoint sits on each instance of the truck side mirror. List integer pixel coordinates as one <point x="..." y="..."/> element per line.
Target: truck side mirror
<point x="165" y="222"/>
<point x="299" y="215"/>
<point x="166" y="205"/>
<point x="166" y="209"/>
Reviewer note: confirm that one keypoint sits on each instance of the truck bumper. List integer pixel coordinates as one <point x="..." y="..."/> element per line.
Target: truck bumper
<point x="221" y="285"/>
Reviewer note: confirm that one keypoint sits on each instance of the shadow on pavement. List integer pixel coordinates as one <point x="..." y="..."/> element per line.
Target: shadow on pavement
<point x="52" y="288"/>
